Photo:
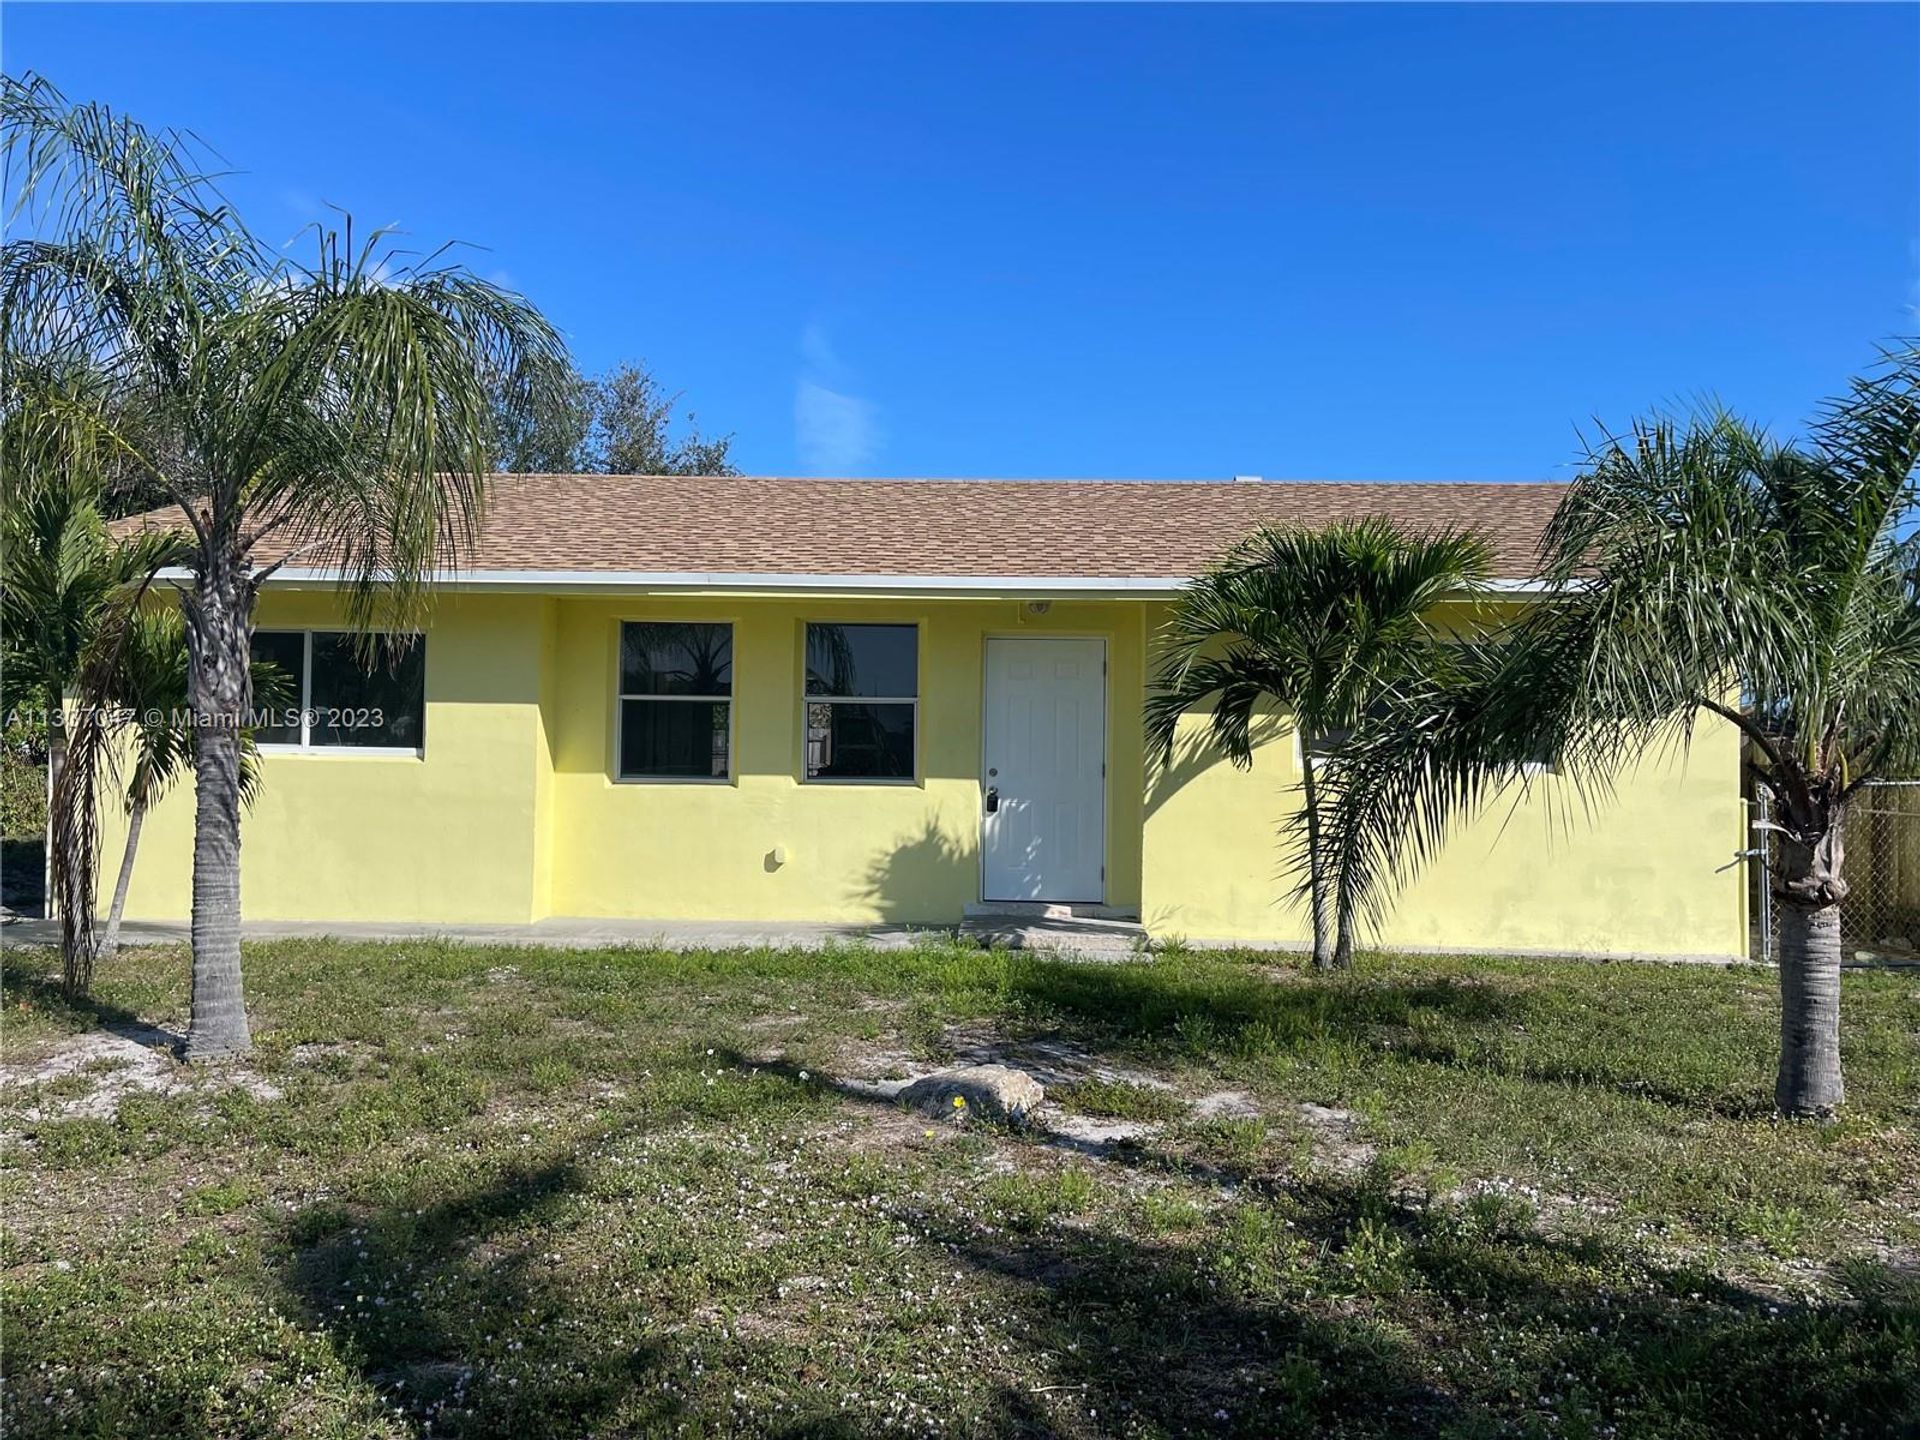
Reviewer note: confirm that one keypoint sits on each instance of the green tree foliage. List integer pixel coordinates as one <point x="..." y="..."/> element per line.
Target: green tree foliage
<point x="1323" y="624"/>
<point x="338" y="413"/>
<point x="68" y="593"/>
<point x="619" y="423"/>
<point x="1697" y="569"/>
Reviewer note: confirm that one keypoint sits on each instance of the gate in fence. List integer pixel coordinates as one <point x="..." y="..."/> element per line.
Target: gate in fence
<point x="1880" y="920"/>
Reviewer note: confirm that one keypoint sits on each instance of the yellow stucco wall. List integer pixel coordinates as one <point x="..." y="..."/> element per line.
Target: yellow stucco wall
<point x="513" y="814"/>
<point x="854" y="852"/>
<point x="1537" y="871"/>
<point x="447" y="837"/>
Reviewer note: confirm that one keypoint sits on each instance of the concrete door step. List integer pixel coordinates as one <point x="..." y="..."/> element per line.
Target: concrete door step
<point x="1076" y="936"/>
<point x="1046" y="910"/>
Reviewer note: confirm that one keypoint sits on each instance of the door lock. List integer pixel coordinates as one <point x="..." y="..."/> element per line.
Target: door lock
<point x="993" y="800"/>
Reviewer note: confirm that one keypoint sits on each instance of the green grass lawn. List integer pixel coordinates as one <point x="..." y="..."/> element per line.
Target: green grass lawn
<point x="465" y="1192"/>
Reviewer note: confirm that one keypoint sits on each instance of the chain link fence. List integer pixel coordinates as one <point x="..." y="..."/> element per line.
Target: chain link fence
<point x="1880" y="920"/>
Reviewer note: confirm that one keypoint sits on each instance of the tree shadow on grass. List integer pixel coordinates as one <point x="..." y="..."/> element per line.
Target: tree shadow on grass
<point x="42" y="991"/>
<point x="464" y="1321"/>
<point x="1330" y="1304"/>
<point x="1207" y="1012"/>
<point x="1327" y="1307"/>
<point x="447" y="1312"/>
<point x="1144" y="1336"/>
<point x="1154" y="1001"/>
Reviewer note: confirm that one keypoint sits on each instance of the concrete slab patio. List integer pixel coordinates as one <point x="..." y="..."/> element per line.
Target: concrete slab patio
<point x="559" y="933"/>
<point x="1088" y="938"/>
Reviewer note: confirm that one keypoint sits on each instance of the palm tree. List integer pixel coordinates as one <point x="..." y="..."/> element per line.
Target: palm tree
<point x="337" y="414"/>
<point x="1700" y="569"/>
<point x="68" y="591"/>
<point x="1326" y="624"/>
<point x="64" y="571"/>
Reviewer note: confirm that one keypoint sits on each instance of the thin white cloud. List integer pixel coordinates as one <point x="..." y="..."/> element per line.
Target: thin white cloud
<point x="817" y="352"/>
<point x="835" y="432"/>
<point x="304" y="205"/>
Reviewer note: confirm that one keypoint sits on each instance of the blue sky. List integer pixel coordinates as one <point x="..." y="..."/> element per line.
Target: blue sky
<point x="1302" y="241"/>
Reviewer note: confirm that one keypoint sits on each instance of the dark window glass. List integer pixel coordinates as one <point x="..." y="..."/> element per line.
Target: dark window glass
<point x="674" y="713"/>
<point x="1326" y="744"/>
<point x="862" y="660"/>
<point x="368" y="701"/>
<point x="673" y="738"/>
<point x="848" y="740"/>
<point x="285" y="651"/>
<point x="659" y="659"/>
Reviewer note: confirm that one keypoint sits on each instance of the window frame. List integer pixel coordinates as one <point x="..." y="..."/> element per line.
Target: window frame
<point x="1323" y="750"/>
<point x="912" y="777"/>
<point x="1302" y="752"/>
<point x="620" y="698"/>
<point x="304" y="703"/>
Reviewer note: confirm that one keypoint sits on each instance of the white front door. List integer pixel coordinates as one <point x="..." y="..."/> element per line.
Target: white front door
<point x="1044" y="781"/>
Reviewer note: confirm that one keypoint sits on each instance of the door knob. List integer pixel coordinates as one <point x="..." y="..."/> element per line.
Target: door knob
<point x="993" y="800"/>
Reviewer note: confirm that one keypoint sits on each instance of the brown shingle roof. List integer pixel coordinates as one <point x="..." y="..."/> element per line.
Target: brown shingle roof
<point x="980" y="528"/>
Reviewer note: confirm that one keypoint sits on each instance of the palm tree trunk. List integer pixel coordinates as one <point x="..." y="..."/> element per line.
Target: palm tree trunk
<point x="1323" y="957"/>
<point x="136" y="817"/>
<point x="1343" y="935"/>
<point x="1810" y="1082"/>
<point x="217" y="692"/>
<point x="56" y="762"/>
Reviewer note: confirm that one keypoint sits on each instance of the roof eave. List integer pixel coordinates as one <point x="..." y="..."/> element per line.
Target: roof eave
<point x="755" y="582"/>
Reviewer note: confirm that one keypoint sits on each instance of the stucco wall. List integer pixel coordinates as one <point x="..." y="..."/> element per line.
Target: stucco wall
<point x="447" y="837"/>
<point x="1537" y="871"/>
<point x="513" y="812"/>
<point x="854" y="852"/>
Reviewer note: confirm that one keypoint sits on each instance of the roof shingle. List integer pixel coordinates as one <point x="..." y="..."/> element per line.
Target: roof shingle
<point x="1001" y="528"/>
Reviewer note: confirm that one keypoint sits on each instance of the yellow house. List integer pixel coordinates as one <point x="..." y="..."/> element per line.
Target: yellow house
<point x="858" y="702"/>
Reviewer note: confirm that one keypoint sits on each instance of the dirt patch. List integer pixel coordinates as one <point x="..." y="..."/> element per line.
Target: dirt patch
<point x="1094" y="1135"/>
<point x="773" y="1022"/>
<point x="890" y="1129"/>
<point x="877" y="1078"/>
<point x="321" y="1052"/>
<point x="1334" y="1145"/>
<point x="87" y="1077"/>
<point x="1048" y="1058"/>
<point x="874" y="1073"/>
<point x="1226" y="1105"/>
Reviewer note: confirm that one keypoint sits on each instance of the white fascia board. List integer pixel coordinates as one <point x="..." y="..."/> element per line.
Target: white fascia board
<point x="586" y="582"/>
<point x="589" y="582"/>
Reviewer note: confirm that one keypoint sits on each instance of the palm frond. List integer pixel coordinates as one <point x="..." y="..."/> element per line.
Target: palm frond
<point x="1698" y="569"/>
<point x="1326" y="625"/>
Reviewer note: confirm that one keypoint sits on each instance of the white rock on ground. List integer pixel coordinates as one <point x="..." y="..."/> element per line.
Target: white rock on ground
<point x="998" y="1092"/>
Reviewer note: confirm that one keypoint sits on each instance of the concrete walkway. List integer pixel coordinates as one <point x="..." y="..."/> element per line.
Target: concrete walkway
<point x="1031" y="927"/>
<point x="558" y="933"/>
